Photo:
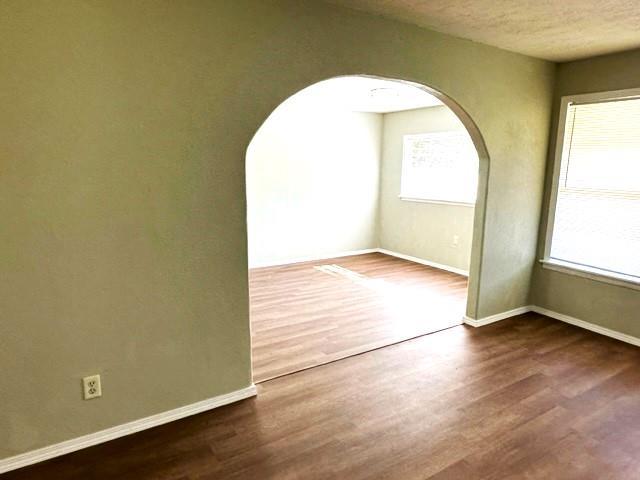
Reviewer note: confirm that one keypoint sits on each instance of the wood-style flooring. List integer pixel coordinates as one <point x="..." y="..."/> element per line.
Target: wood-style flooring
<point x="309" y="314"/>
<point x="525" y="398"/>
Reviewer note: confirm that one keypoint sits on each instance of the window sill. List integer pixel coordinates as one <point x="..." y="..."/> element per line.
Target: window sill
<point x="591" y="273"/>
<point x="436" y="202"/>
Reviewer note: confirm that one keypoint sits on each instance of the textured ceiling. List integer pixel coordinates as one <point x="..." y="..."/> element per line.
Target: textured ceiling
<point x="558" y="30"/>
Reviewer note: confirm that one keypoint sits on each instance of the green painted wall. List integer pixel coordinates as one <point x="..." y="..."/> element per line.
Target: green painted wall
<point x="122" y="197"/>
<point x="603" y="304"/>
<point x="419" y="229"/>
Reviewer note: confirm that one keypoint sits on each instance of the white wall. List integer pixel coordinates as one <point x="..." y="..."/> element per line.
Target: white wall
<point x="312" y="182"/>
<point x="322" y="181"/>
<point x="423" y="230"/>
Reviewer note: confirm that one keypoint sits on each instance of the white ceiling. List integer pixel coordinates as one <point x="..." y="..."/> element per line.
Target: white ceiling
<point x="557" y="30"/>
<point x="364" y="94"/>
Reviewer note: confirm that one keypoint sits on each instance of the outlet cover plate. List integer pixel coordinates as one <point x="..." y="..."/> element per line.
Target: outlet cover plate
<point x="91" y="387"/>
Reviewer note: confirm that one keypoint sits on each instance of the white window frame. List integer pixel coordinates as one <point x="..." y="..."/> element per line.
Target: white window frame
<point x="628" y="281"/>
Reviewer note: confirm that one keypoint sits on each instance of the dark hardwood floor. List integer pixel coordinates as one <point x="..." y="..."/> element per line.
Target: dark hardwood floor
<point x="525" y="398"/>
<point x="312" y="313"/>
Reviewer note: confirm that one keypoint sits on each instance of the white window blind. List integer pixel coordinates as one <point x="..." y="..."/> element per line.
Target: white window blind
<point x="597" y="216"/>
<point x="439" y="166"/>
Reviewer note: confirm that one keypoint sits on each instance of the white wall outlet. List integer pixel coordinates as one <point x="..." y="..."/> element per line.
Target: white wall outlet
<point x="455" y="240"/>
<point x="91" y="387"/>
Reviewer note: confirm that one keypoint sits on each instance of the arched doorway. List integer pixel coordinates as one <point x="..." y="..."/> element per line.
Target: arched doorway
<point x="277" y="248"/>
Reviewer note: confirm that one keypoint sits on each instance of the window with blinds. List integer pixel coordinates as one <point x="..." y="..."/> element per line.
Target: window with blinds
<point x="597" y="212"/>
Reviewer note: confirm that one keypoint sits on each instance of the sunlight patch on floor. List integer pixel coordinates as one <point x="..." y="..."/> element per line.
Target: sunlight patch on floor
<point x="407" y="304"/>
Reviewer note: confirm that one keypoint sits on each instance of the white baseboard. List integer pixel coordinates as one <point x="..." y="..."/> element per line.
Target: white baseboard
<point x="312" y="259"/>
<point x="350" y="253"/>
<point x="481" y="322"/>
<point x="429" y="263"/>
<point x="623" y="337"/>
<point x="68" y="446"/>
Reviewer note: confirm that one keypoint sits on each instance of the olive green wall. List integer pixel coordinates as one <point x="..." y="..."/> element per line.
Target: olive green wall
<point x="606" y="305"/>
<point x="122" y="196"/>
<point x="420" y="229"/>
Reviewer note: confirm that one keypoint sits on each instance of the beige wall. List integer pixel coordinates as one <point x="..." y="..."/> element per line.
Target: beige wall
<point x="423" y="230"/>
<point x="603" y="304"/>
<point x="122" y="187"/>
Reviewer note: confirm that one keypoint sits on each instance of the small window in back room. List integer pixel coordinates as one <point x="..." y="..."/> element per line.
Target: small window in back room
<point x="439" y="167"/>
<point x="595" y="225"/>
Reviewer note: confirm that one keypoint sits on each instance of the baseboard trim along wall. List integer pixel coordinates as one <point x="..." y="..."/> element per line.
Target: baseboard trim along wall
<point x="623" y="337"/>
<point x="481" y="322"/>
<point x="313" y="259"/>
<point x="112" y="433"/>
<point x="350" y="253"/>
<point x="428" y="263"/>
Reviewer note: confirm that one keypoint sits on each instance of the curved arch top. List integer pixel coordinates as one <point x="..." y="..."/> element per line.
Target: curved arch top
<point x="483" y="166"/>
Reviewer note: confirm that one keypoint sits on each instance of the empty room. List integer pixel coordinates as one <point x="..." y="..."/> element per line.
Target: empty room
<point x="360" y="204"/>
<point x="308" y="239"/>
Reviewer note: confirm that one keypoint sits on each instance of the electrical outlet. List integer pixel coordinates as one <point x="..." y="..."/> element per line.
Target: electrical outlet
<point x="91" y="387"/>
<point x="455" y="241"/>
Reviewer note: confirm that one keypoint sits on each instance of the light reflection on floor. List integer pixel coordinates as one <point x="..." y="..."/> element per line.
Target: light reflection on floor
<point x="406" y="305"/>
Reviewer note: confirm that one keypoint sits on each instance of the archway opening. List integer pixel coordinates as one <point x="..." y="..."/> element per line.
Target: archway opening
<point x="363" y="221"/>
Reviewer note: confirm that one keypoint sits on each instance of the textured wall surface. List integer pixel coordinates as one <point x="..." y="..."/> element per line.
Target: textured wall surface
<point x="423" y="230"/>
<point x="610" y="306"/>
<point x="123" y="247"/>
